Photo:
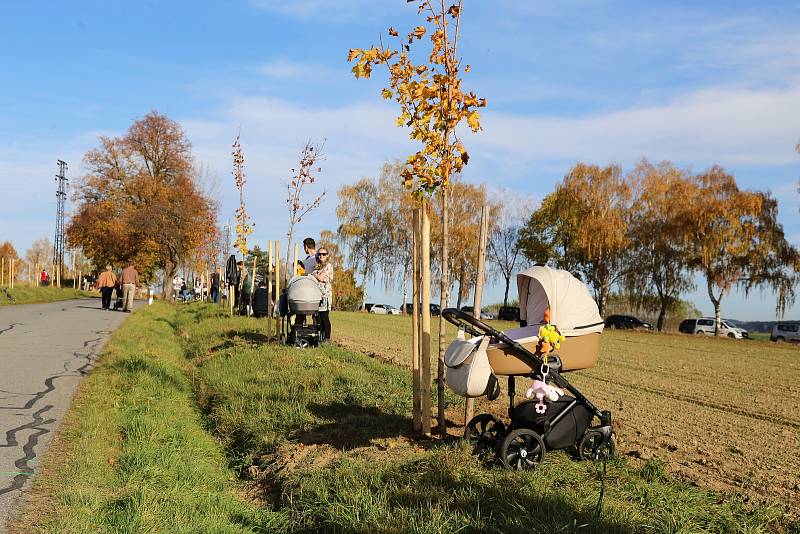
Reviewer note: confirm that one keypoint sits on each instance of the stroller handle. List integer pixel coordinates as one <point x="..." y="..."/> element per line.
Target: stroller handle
<point x="476" y="327"/>
<point x="469" y="324"/>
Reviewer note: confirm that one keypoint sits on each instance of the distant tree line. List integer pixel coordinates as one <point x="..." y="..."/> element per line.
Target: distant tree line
<point x="650" y="231"/>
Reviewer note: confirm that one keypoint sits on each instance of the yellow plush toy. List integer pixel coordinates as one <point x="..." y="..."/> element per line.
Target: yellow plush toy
<point x="549" y="338"/>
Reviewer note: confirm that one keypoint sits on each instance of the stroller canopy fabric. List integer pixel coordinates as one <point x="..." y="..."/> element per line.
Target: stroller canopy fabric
<point x="572" y="308"/>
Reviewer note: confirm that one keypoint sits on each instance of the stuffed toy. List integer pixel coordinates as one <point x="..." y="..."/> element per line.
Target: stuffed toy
<point x="541" y="390"/>
<point x="550" y="339"/>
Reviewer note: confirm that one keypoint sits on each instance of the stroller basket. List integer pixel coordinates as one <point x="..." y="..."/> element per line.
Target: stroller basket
<point x="577" y="352"/>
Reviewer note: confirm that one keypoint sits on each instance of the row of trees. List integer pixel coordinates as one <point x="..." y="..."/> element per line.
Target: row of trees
<point x="375" y="230"/>
<point x="652" y="230"/>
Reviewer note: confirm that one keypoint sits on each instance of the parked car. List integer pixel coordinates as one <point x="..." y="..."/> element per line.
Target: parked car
<point x="785" y="332"/>
<point x="434" y="309"/>
<point x="384" y="309"/>
<point x="368" y="306"/>
<point x="484" y="315"/>
<point x="705" y="325"/>
<point x="627" y="322"/>
<point x="508" y="313"/>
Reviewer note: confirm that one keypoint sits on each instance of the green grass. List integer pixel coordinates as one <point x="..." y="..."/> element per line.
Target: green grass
<point x="323" y="436"/>
<point x="134" y="456"/>
<point x="319" y="440"/>
<point x="32" y="295"/>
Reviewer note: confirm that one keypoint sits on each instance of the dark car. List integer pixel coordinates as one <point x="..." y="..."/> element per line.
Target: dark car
<point x="626" y="322"/>
<point x="508" y="313"/>
<point x="435" y="309"/>
<point x="368" y="306"/>
<point x="687" y="326"/>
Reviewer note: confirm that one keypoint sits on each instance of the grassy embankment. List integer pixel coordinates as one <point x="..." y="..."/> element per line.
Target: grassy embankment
<point x="318" y="439"/>
<point x="32" y="295"/>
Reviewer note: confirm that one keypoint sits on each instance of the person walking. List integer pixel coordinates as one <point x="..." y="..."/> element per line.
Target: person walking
<point x="130" y="280"/>
<point x="215" y="285"/>
<point x="324" y="275"/>
<point x="106" y="283"/>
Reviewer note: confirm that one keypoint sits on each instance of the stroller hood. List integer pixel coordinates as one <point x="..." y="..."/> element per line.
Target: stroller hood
<point x="572" y="308"/>
<point x="303" y="294"/>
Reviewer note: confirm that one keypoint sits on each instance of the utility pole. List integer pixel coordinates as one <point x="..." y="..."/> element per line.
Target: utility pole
<point x="58" y="245"/>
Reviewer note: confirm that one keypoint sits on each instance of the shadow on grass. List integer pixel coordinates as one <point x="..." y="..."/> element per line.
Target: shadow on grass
<point x="353" y="426"/>
<point x="505" y="505"/>
<point x="250" y="337"/>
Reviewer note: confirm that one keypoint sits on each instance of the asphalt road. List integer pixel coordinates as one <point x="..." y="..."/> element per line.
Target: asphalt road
<point x="45" y="350"/>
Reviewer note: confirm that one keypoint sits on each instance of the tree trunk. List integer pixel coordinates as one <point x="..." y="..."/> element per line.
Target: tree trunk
<point x="661" y="313"/>
<point x="716" y="301"/>
<point x="405" y="292"/>
<point x="364" y="292"/>
<point x="166" y="285"/>
<point x="505" y="294"/>
<point x="444" y="284"/>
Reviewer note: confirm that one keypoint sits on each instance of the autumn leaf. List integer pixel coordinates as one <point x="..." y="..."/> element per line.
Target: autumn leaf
<point x="353" y="53"/>
<point x="473" y="120"/>
<point x="418" y="32"/>
<point x="387" y="94"/>
<point x="465" y="157"/>
<point x="393" y="32"/>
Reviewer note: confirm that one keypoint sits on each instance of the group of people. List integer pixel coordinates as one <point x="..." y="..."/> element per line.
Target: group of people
<point x="125" y="286"/>
<point x="317" y="264"/>
<point x="199" y="290"/>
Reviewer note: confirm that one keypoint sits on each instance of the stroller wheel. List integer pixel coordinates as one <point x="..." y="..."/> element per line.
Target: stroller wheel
<point x="522" y="450"/>
<point x="482" y="432"/>
<point x="593" y="447"/>
<point x="301" y="343"/>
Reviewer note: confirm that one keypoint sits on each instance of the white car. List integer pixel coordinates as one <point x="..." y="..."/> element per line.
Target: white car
<point x="384" y="309"/>
<point x="705" y="325"/>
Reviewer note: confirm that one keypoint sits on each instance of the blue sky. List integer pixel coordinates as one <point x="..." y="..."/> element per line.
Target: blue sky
<point x="697" y="83"/>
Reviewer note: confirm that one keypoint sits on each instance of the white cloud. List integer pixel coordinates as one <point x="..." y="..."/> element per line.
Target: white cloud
<point x="729" y="127"/>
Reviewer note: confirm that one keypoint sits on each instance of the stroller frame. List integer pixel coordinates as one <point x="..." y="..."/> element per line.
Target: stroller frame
<point x="485" y="431"/>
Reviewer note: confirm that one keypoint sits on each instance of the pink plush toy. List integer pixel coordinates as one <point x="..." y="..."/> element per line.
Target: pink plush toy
<point x="541" y="390"/>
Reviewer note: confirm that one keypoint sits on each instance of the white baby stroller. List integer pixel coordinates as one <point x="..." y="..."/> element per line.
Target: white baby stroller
<point x="302" y="296"/>
<point x="560" y="416"/>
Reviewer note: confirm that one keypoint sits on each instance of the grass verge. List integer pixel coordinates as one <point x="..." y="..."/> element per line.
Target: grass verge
<point x="133" y="455"/>
<point x="32" y="295"/>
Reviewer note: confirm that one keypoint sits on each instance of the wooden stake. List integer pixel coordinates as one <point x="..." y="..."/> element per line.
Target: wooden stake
<point x="425" y="244"/>
<point x="483" y="238"/>
<point x="269" y="290"/>
<point x="3" y="271"/>
<point x="13" y="264"/>
<point x="415" y="355"/>
<point x="279" y="326"/>
<point x="441" y="420"/>
<point x="296" y="254"/>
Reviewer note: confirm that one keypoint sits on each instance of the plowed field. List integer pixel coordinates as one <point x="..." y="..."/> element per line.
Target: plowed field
<point x="723" y="414"/>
